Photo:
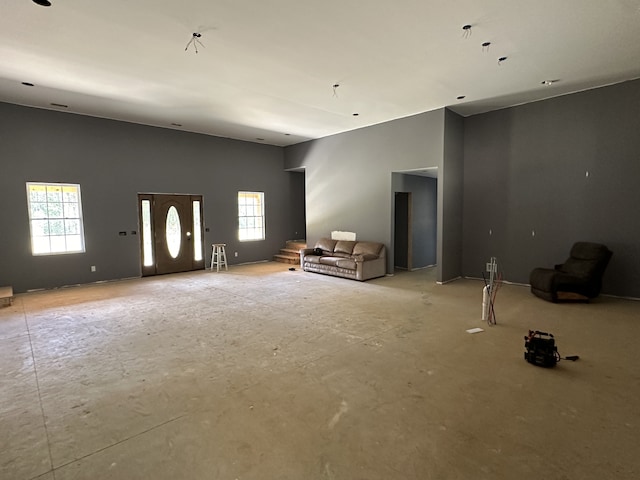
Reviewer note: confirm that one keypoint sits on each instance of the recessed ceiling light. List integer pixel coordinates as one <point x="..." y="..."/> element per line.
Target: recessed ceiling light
<point x="549" y="82"/>
<point x="43" y="3"/>
<point x="27" y="84"/>
<point x="176" y="124"/>
<point x="61" y="105"/>
<point x="502" y="59"/>
<point x="260" y="139"/>
<point x="460" y="97"/>
<point x="355" y="114"/>
<point x="287" y="134"/>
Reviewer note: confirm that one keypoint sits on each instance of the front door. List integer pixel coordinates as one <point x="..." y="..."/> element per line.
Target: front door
<point x="171" y="233"/>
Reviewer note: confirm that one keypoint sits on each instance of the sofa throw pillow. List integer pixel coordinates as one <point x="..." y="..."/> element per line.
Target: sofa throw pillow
<point x="317" y="251"/>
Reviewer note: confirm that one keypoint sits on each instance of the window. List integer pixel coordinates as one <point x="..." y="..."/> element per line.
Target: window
<point x="55" y="218"/>
<point x="250" y="216"/>
<point x="197" y="231"/>
<point x="147" y="236"/>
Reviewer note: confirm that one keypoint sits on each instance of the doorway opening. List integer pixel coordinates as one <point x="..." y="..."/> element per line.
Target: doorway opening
<point x="171" y="233"/>
<point x="403" y="232"/>
<point x="414" y="219"/>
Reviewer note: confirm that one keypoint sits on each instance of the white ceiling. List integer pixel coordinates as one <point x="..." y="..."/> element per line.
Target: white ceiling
<point x="266" y="70"/>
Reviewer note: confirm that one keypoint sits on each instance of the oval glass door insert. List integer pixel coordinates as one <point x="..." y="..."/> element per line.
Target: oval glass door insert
<point x="173" y="232"/>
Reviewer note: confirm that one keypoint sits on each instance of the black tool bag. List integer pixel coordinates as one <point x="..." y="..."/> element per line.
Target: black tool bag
<point x="541" y="349"/>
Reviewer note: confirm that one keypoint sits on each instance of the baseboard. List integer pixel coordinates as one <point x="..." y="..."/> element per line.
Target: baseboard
<point x="422" y="268"/>
<point x="257" y="261"/>
<point x="622" y="297"/>
<point x="448" y="281"/>
<point x="635" y="299"/>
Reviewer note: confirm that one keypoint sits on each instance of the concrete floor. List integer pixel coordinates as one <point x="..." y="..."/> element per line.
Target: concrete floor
<point x="263" y="373"/>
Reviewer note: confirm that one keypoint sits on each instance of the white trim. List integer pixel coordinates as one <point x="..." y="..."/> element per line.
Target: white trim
<point x="448" y="281"/>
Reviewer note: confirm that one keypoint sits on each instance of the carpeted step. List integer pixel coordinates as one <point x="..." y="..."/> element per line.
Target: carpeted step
<point x="290" y="254"/>
<point x="296" y="245"/>
<point x="289" y="259"/>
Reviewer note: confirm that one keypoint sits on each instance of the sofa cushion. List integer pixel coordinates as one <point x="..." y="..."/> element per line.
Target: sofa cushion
<point x="326" y="244"/>
<point x="312" y="258"/>
<point x="346" y="263"/>
<point x="364" y="248"/>
<point x="344" y="246"/>
<point x="333" y="261"/>
<point x="579" y="268"/>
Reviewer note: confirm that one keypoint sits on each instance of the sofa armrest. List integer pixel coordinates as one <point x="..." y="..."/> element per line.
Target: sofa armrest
<point x="304" y="252"/>
<point x="364" y="257"/>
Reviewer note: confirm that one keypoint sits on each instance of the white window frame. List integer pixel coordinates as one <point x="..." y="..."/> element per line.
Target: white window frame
<point x="251" y="216"/>
<point x="55" y="220"/>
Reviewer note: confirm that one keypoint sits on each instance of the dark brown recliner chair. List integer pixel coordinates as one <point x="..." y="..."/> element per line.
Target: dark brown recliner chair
<point x="577" y="279"/>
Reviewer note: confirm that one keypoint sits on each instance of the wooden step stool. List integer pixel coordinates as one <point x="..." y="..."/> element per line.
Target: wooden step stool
<point x="219" y="256"/>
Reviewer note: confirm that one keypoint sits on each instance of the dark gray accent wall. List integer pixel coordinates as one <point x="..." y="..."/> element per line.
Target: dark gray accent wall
<point x="297" y="205"/>
<point x="527" y="196"/>
<point x="424" y="195"/>
<point x="450" y="195"/>
<point x="113" y="162"/>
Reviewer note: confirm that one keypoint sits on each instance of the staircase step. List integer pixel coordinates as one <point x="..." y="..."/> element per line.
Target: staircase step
<point x="290" y="259"/>
<point x="290" y="254"/>
<point x="296" y="244"/>
<point x="290" y="251"/>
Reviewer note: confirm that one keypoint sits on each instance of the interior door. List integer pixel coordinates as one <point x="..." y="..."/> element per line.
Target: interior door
<point x="171" y="233"/>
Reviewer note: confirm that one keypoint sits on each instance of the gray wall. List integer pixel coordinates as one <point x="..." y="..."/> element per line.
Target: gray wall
<point x="510" y="172"/>
<point x="450" y="195"/>
<point x="525" y="171"/>
<point x="348" y="178"/>
<point x="114" y="161"/>
<point x="297" y="206"/>
<point x="424" y="196"/>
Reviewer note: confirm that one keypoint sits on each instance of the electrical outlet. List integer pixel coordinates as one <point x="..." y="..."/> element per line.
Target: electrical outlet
<point x="93" y="268"/>
<point x="235" y="254"/>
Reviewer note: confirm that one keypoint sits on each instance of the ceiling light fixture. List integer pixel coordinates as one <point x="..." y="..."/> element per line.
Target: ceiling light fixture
<point x="176" y="124"/>
<point x="355" y="114"/>
<point x="466" y="31"/>
<point x="501" y="59"/>
<point x="549" y="82"/>
<point x="27" y="84"/>
<point x="461" y="97"/>
<point x="195" y="40"/>
<point x="485" y="46"/>
<point x="61" y="105"/>
<point x="42" y="3"/>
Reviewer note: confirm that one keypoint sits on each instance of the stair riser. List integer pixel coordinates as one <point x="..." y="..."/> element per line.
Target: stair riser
<point x="289" y="261"/>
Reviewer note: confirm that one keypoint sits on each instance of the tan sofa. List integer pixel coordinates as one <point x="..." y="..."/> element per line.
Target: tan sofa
<point x="341" y="258"/>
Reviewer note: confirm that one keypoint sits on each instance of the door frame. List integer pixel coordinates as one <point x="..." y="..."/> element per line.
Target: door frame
<point x="188" y="235"/>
